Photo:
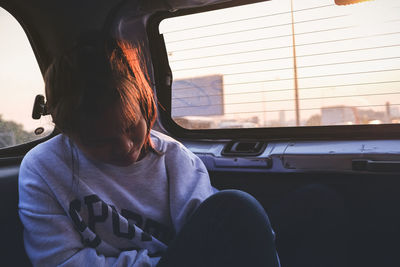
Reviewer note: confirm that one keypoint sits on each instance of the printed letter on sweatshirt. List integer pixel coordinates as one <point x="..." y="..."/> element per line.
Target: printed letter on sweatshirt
<point x="93" y="217"/>
<point x="116" y="226"/>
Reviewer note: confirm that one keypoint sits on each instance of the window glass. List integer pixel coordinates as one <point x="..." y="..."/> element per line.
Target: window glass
<point x="286" y="63"/>
<point x="20" y="81"/>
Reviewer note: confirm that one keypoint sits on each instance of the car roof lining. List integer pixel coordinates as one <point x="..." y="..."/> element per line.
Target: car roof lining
<point x="52" y="26"/>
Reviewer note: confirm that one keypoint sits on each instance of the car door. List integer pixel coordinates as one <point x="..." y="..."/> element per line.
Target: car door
<point x="297" y="103"/>
<point x="20" y="81"/>
<point x="31" y="37"/>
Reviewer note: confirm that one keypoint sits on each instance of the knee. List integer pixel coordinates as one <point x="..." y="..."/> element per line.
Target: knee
<point x="238" y="203"/>
<point x="234" y="197"/>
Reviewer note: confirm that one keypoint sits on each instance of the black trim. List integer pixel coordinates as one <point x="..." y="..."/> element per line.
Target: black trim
<point x="162" y="71"/>
<point x="9" y="161"/>
<point x="375" y="165"/>
<point x="13" y="152"/>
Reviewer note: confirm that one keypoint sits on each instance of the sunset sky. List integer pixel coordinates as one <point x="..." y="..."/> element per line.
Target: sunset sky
<point x="20" y="77"/>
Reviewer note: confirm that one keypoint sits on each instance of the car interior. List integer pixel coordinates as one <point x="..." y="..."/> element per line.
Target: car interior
<point x="295" y="102"/>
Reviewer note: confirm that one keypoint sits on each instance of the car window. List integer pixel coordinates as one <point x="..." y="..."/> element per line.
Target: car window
<point x="20" y="81"/>
<point x="286" y="63"/>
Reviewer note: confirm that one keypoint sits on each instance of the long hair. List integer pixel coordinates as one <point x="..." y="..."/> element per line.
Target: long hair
<point x="95" y="74"/>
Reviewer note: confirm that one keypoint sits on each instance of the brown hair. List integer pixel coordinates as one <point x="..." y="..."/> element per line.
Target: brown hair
<point x="96" y="74"/>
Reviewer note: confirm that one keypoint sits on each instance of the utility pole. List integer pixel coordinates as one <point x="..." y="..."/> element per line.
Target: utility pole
<point x="296" y="85"/>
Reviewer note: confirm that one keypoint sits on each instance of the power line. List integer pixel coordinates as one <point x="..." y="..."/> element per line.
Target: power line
<point x="283" y="100"/>
<point x="244" y="19"/>
<point x="307" y="66"/>
<point x="267" y="38"/>
<point x="318" y="76"/>
<point x="297" y="45"/>
<point x="280" y="58"/>
<point x="317" y="65"/>
<point x="308" y="77"/>
<point x="255" y="29"/>
<point x="289" y="89"/>
<point x="304" y="109"/>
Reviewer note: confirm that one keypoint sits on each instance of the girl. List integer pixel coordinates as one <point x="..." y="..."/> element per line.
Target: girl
<point x="109" y="191"/>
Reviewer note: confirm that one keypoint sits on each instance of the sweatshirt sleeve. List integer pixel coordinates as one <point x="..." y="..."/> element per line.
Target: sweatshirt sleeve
<point x="49" y="235"/>
<point x="189" y="184"/>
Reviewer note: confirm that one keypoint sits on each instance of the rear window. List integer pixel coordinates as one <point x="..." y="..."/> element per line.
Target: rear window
<point x="277" y="64"/>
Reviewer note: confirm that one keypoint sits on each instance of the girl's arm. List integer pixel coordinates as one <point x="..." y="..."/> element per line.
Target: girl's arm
<point x="189" y="183"/>
<point x="49" y="235"/>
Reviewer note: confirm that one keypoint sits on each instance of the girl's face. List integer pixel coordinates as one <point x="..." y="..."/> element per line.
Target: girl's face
<point x="107" y="141"/>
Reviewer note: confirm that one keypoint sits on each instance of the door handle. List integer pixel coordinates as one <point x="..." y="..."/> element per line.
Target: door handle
<point x="375" y="165"/>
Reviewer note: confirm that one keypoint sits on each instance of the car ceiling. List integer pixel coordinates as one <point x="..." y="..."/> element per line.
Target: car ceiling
<point x="52" y="26"/>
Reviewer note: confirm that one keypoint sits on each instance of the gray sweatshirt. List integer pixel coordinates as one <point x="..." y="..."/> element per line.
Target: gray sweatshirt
<point x="78" y="212"/>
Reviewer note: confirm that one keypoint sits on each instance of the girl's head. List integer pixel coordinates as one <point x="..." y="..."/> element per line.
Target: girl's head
<point x="99" y="96"/>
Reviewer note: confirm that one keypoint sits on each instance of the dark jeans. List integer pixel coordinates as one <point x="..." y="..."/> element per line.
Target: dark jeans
<point x="228" y="229"/>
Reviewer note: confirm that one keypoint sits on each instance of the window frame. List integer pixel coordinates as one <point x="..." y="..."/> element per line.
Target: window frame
<point x="14" y="154"/>
<point x="163" y="82"/>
